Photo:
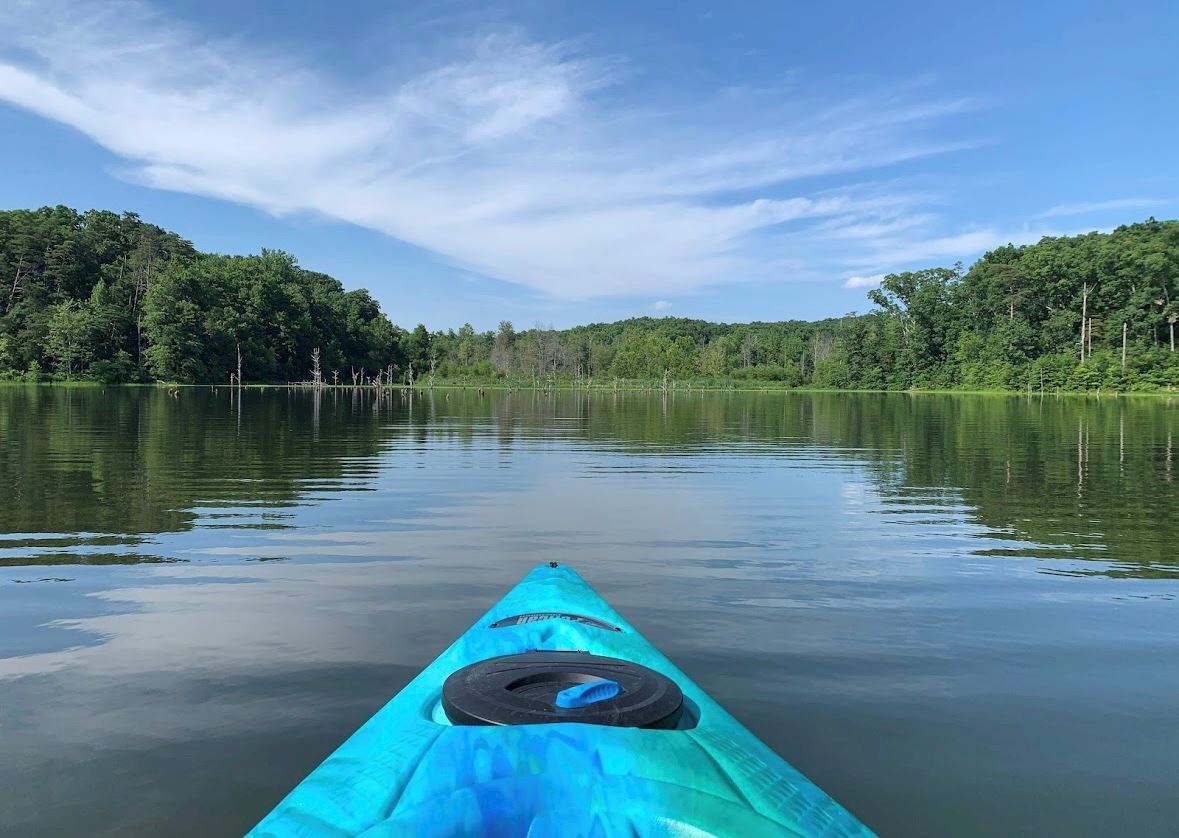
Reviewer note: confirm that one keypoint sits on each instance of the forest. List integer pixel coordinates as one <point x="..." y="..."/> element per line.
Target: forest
<point x="106" y="297"/>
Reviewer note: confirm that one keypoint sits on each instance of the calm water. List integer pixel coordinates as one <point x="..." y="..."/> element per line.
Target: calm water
<point x="959" y="615"/>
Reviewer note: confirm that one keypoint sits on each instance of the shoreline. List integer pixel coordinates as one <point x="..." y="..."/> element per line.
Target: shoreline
<point x="622" y="386"/>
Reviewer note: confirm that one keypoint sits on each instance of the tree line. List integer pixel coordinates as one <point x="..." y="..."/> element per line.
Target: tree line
<point x="108" y="297"/>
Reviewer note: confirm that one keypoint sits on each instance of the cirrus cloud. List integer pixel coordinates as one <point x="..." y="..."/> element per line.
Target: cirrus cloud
<point x="1112" y="204"/>
<point x="524" y="161"/>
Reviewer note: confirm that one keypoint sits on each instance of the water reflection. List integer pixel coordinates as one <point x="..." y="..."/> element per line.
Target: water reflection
<point x="99" y="476"/>
<point x="911" y="597"/>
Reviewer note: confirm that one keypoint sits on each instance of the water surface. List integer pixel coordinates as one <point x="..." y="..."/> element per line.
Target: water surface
<point x="957" y="614"/>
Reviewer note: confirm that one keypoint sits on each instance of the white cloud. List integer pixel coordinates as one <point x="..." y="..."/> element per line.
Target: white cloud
<point x="957" y="245"/>
<point x="662" y="305"/>
<point x="1103" y="206"/>
<point x="886" y="255"/>
<point x="513" y="159"/>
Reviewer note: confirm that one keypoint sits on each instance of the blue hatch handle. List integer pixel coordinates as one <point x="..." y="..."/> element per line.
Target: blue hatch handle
<point x="583" y="695"/>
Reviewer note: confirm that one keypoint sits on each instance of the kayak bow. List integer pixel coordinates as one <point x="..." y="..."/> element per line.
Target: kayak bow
<point x="553" y="716"/>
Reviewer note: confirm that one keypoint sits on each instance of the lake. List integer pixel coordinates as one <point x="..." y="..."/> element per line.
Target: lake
<point x="956" y="614"/>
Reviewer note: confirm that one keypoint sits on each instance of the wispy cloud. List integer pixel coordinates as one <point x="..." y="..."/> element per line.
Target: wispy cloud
<point x="662" y="305"/>
<point x="519" y="160"/>
<point x="885" y="256"/>
<point x="955" y="246"/>
<point x="1104" y="206"/>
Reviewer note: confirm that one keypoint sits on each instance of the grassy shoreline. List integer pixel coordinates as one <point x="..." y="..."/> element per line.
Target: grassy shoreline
<point x="620" y="386"/>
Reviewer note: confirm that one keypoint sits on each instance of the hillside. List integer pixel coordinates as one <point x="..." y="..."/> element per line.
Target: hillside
<point x="109" y="297"/>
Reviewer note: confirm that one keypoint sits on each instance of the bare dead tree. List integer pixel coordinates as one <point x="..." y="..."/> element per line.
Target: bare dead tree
<point x="239" y="363"/>
<point x="822" y="344"/>
<point x="16" y="286"/>
<point x="748" y="346"/>
<point x="142" y="283"/>
<point x="335" y="378"/>
<point x="1084" y="316"/>
<point x="540" y="351"/>
<point x="316" y="372"/>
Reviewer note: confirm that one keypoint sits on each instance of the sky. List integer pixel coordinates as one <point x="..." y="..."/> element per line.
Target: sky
<point x="568" y="162"/>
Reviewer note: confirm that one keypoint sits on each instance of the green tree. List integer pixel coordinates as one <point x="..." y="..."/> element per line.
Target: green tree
<point x="71" y="337"/>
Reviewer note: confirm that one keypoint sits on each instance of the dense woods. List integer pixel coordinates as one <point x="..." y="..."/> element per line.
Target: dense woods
<point x="106" y="296"/>
<point x="102" y="296"/>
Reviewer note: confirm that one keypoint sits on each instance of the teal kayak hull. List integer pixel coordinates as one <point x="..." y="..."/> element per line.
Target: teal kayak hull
<point x="409" y="771"/>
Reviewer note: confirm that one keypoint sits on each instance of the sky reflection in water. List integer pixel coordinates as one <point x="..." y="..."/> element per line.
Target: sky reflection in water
<point x="954" y="613"/>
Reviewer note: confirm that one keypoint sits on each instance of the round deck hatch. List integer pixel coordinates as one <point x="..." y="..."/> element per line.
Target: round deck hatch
<point x="547" y="687"/>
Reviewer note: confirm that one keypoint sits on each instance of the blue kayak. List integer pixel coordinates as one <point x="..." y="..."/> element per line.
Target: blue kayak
<point x="552" y="716"/>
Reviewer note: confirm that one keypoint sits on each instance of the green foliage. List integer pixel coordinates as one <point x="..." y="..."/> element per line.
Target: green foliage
<point x="104" y="296"/>
<point x="70" y="339"/>
<point x="107" y="297"/>
<point x="652" y="355"/>
<point x="1014" y="320"/>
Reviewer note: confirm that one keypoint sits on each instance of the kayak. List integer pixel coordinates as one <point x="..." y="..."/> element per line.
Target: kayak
<point x="552" y="716"/>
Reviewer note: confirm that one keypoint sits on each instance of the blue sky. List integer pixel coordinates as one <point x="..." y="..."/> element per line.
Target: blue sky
<point x="564" y="162"/>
